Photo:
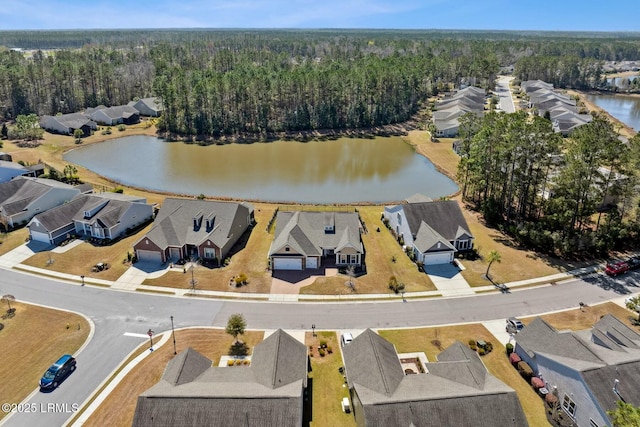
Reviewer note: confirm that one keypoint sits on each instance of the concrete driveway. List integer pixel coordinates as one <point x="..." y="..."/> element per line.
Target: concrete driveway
<point x="448" y="280"/>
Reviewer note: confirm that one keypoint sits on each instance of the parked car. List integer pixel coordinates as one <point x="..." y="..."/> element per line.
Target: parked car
<point x="615" y="268"/>
<point x="346" y="338"/>
<point x="514" y="325"/>
<point x="58" y="372"/>
<point x="633" y="262"/>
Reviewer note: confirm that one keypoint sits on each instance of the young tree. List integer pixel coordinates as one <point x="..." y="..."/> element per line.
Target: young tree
<point x="78" y="134"/>
<point x="625" y="415"/>
<point x="494" y="256"/>
<point x="236" y="326"/>
<point x="634" y="305"/>
<point x="8" y="298"/>
<point x="5" y="132"/>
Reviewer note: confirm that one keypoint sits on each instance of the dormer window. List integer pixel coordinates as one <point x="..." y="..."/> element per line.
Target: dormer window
<point x="87" y="214"/>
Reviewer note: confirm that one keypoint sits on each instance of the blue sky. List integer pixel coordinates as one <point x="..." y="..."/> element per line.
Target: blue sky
<point x="569" y="15"/>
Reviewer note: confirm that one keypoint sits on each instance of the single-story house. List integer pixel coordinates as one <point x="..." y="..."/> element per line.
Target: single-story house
<point x="435" y="231"/>
<point x="66" y="124"/>
<point x="269" y="392"/>
<point x="106" y="216"/>
<point x="587" y="371"/>
<point x="189" y="228"/>
<point x="110" y="116"/>
<point x="151" y="107"/>
<point x="9" y="170"/>
<point x="303" y="239"/>
<point x="24" y="197"/>
<point x="457" y="390"/>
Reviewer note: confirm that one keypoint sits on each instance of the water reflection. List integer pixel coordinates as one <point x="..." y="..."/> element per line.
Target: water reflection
<point x="344" y="170"/>
<point x="623" y="107"/>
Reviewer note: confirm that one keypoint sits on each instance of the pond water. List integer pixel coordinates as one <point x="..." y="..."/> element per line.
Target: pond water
<point x="340" y="171"/>
<point x="623" y="107"/>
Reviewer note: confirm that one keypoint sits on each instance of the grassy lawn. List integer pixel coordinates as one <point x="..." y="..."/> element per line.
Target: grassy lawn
<point x="119" y="407"/>
<point x="327" y="383"/>
<point x="250" y="260"/>
<point x="32" y="340"/>
<point x="10" y="241"/>
<point x="440" y="153"/>
<point x="80" y="259"/>
<point x="577" y="319"/>
<point x="410" y="340"/>
<point x="380" y="248"/>
<point x="53" y="146"/>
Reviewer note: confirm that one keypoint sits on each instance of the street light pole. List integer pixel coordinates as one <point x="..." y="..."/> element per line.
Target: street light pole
<point x="173" y="334"/>
<point x="313" y="329"/>
<point x="82" y="277"/>
<point x="150" y="333"/>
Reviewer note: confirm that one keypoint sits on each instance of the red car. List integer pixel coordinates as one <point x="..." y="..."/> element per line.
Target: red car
<point x="615" y="268"/>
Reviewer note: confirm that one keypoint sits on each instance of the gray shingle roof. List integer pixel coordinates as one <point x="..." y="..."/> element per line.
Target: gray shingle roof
<point x="15" y="195"/>
<point x="72" y="120"/>
<point x="174" y="224"/>
<point x="108" y="215"/>
<point x="443" y="217"/>
<point x="185" y="367"/>
<point x="540" y="337"/>
<point x="305" y="232"/>
<point x="455" y="391"/>
<point x="267" y="393"/>
<point x="372" y="362"/>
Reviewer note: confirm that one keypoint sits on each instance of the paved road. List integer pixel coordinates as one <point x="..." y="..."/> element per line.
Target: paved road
<point x="115" y="312"/>
<point x="504" y="92"/>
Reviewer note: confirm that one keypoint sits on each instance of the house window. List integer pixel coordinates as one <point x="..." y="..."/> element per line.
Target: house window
<point x="592" y="423"/>
<point x="569" y="405"/>
<point x="342" y="259"/>
<point x="354" y="259"/>
<point x="463" y="244"/>
<point x="209" y="253"/>
<point x="286" y="249"/>
<point x="399" y="219"/>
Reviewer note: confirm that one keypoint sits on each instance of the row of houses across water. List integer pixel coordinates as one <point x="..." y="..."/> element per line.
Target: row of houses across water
<point x="89" y="120"/>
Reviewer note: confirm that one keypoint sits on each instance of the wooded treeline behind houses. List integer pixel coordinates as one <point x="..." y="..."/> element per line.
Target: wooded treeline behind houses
<point x="216" y="83"/>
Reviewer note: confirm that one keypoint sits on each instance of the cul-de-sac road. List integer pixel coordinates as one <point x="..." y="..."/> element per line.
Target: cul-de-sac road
<point x="114" y="313"/>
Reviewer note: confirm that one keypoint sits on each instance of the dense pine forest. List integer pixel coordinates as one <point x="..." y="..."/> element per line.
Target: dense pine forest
<point x="577" y="196"/>
<point x="216" y="83"/>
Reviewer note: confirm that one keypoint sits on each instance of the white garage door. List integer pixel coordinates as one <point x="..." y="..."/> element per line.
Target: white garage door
<point x="312" y="262"/>
<point x="152" y="256"/>
<point x="39" y="236"/>
<point x="287" y="263"/>
<point x="438" y="258"/>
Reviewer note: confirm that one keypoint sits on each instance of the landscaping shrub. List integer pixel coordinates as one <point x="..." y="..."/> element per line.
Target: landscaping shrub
<point x="122" y="128"/>
<point x="482" y="351"/>
<point x="321" y="352"/>
<point x="323" y="343"/>
<point x="471" y="343"/>
<point x="525" y="370"/>
<point x="329" y="350"/>
<point x="509" y="348"/>
<point x="514" y="359"/>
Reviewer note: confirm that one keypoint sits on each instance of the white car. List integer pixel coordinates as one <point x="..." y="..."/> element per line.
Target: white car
<point x="346" y="338"/>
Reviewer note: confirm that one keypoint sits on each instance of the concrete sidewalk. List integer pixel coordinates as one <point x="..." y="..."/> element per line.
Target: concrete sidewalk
<point x="448" y="283"/>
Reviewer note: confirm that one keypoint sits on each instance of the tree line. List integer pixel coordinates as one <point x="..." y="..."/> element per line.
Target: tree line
<point x="218" y="82"/>
<point x="573" y="196"/>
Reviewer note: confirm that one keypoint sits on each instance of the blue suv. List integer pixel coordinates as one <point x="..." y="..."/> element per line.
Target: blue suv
<point x="58" y="372"/>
